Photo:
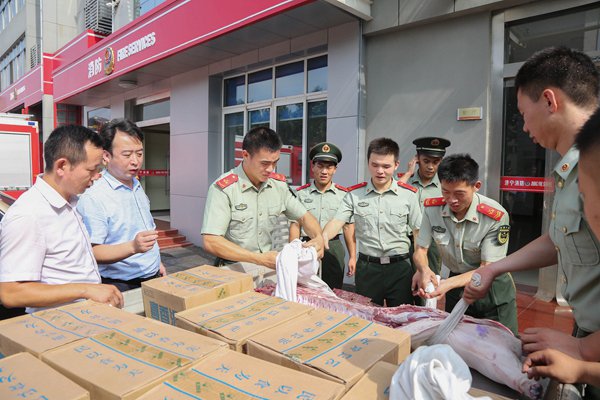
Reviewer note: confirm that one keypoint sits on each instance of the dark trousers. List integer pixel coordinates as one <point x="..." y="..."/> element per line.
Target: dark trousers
<point x="333" y="264"/>
<point x="500" y="304"/>
<point x="390" y="282"/>
<point x="124" y="286"/>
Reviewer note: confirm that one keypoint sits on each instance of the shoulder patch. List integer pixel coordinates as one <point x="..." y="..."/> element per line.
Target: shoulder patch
<point x="490" y="211"/>
<point x="278" y="177"/>
<point x="405" y="186"/>
<point x="342" y="188"/>
<point x="359" y="185"/>
<point x="434" y="201"/>
<point x="227" y="181"/>
<point x="303" y="186"/>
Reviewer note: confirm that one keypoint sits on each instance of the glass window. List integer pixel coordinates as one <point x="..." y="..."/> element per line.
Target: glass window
<point x="289" y="127"/>
<point x="67" y="114"/>
<point x="147" y="5"/>
<point x="259" y="118"/>
<point x="97" y="118"/>
<point x="291" y="122"/>
<point x="577" y="29"/>
<point x="316" y="129"/>
<point x="260" y="85"/>
<point x="289" y="79"/>
<point x="234" y="135"/>
<point x="12" y="64"/>
<point x="234" y="91"/>
<point x="317" y="74"/>
<point x="156" y="109"/>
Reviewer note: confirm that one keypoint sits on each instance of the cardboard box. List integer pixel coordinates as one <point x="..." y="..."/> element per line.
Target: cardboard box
<point x="24" y="376"/>
<point x="126" y="362"/>
<point x="165" y="296"/>
<point x="261" y="275"/>
<point x="375" y="385"/>
<point x="231" y="375"/>
<point x="48" y="329"/>
<point x="234" y="319"/>
<point x="331" y="345"/>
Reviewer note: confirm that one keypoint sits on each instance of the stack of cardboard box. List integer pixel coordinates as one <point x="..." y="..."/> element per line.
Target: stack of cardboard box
<point x="235" y="319"/>
<point x="163" y="297"/>
<point x="293" y="350"/>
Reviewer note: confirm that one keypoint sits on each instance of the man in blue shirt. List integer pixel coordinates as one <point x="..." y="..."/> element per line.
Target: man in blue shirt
<point x="116" y="212"/>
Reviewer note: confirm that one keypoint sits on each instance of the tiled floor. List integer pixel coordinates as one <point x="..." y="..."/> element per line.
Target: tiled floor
<point x="535" y="313"/>
<point x="538" y="313"/>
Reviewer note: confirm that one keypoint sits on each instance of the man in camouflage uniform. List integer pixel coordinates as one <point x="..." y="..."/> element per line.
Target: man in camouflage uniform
<point x="557" y="91"/>
<point x="322" y="199"/>
<point x="430" y="151"/>
<point x="243" y="205"/>
<point x="383" y="211"/>
<point x="470" y="230"/>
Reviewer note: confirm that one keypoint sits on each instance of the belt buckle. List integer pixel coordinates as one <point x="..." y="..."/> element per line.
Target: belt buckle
<point x="384" y="260"/>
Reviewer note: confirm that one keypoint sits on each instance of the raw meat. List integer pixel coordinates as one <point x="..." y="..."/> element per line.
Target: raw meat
<point x="485" y="345"/>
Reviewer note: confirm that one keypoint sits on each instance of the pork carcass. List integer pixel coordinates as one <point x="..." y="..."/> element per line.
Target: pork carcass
<point x="485" y="345"/>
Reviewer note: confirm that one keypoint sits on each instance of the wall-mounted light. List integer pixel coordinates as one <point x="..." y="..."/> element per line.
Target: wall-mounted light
<point x="127" y="84"/>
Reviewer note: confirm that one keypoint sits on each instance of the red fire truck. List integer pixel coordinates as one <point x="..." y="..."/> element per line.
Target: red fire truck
<point x="20" y="153"/>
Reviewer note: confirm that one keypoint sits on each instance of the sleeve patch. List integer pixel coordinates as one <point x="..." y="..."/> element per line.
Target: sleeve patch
<point x="303" y="186"/>
<point x="227" y="181"/>
<point x="278" y="177"/>
<point x="490" y="211"/>
<point x="359" y="185"/>
<point x="342" y="188"/>
<point x="405" y="186"/>
<point x="434" y="201"/>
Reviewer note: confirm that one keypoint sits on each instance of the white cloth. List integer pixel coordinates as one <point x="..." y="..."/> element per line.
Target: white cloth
<point x="431" y="303"/>
<point x="297" y="265"/>
<point x="446" y="327"/>
<point x="432" y="373"/>
<point x="43" y="239"/>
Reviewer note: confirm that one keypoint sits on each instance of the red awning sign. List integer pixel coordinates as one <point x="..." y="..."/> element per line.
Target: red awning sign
<point x="526" y="184"/>
<point x="153" y="172"/>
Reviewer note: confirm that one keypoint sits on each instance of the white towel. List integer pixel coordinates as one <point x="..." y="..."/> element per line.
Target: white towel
<point x="432" y="373"/>
<point x="297" y="265"/>
<point x="431" y="303"/>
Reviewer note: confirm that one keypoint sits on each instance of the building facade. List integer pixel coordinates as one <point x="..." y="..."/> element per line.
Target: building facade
<point x="197" y="75"/>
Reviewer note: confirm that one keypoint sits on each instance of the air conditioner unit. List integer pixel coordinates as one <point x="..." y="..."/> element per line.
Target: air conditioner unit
<point x="98" y="16"/>
<point x="35" y="55"/>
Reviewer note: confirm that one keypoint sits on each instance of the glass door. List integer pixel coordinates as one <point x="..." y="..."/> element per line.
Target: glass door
<point x="523" y="182"/>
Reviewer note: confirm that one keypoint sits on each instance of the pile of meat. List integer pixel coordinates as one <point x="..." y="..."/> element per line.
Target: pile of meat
<point x="487" y="346"/>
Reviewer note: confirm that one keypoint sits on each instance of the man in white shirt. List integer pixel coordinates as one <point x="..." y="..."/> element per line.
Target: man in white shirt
<point x="46" y="257"/>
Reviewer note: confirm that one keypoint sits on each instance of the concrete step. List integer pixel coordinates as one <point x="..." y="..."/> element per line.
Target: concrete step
<point x="166" y="241"/>
<point x="169" y="238"/>
<point x="176" y="245"/>
<point x="167" y="233"/>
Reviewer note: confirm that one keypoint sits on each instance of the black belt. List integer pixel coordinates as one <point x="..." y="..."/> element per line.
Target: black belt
<point x="131" y="281"/>
<point x="383" y="260"/>
<point x="308" y="239"/>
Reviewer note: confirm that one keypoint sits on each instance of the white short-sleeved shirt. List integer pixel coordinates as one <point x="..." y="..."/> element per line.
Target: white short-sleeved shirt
<point x="43" y="239"/>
